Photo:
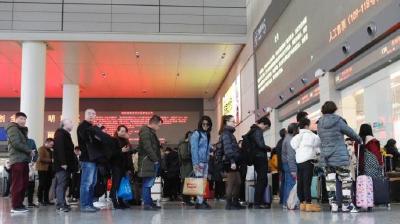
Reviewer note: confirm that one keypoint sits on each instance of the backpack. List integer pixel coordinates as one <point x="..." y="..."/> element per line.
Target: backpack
<point x="247" y="147"/>
<point x="219" y="152"/>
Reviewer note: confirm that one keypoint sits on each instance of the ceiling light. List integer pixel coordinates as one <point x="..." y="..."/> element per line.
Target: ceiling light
<point x="304" y="80"/>
<point x="103" y="75"/>
<point x="291" y="89"/>
<point x="144" y="91"/>
<point x="281" y="97"/>
<point x="137" y="54"/>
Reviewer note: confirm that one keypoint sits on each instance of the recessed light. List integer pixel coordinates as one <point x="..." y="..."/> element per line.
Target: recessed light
<point x="137" y="54"/>
<point x="144" y="91"/>
<point x="103" y="75"/>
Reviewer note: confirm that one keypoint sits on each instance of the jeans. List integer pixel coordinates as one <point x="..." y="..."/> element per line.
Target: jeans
<point x="44" y="186"/>
<point x="202" y="173"/>
<point x="19" y="185"/>
<point x="304" y="178"/>
<point x="288" y="183"/>
<point x="261" y="168"/>
<point x="116" y="177"/>
<point x="62" y="179"/>
<point x="88" y="182"/>
<point x="148" y="183"/>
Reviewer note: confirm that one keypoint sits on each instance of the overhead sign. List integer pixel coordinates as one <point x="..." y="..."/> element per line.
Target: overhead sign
<point x="231" y="101"/>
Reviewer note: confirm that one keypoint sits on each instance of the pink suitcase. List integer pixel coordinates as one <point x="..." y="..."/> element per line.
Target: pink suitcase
<point x="364" y="189"/>
<point x="365" y="192"/>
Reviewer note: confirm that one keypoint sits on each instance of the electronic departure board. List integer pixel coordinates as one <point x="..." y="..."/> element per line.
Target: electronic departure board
<point x="302" y="35"/>
<point x="173" y="130"/>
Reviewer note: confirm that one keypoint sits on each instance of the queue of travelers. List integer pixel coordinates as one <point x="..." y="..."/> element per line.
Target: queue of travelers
<point x="100" y="163"/>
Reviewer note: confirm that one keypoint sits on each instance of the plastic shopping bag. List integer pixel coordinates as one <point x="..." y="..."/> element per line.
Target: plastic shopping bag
<point x="293" y="201"/>
<point x="125" y="191"/>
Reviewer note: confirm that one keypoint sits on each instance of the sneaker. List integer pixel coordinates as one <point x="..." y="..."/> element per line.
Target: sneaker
<point x="352" y="208"/>
<point x="63" y="209"/>
<point x="19" y="210"/>
<point x="88" y="210"/>
<point x="203" y="206"/>
<point x="334" y="207"/>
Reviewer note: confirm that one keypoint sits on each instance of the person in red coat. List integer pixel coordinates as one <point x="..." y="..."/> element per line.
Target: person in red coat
<point x="371" y="144"/>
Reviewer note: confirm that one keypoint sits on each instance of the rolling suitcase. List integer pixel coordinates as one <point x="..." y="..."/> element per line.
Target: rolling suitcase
<point x="268" y="195"/>
<point x="382" y="189"/>
<point x="364" y="189"/>
<point x="314" y="187"/>
<point x="250" y="190"/>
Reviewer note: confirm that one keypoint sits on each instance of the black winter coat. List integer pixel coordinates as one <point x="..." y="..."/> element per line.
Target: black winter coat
<point x="64" y="151"/>
<point x="257" y="138"/>
<point x="230" y="146"/>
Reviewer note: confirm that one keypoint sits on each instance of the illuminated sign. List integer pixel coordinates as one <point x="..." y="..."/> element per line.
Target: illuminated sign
<point x="173" y="130"/>
<point x="357" y="69"/>
<point x="351" y="18"/>
<point x="303" y="37"/>
<point x="274" y="67"/>
<point x="231" y="101"/>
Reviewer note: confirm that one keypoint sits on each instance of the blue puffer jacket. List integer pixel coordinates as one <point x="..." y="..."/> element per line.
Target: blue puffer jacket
<point x="200" y="147"/>
<point x="331" y="130"/>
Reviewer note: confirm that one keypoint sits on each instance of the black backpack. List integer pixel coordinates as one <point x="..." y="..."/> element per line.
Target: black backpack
<point x="219" y="152"/>
<point x="248" y="148"/>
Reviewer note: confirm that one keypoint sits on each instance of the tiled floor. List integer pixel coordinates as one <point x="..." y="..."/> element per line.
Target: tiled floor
<point x="174" y="213"/>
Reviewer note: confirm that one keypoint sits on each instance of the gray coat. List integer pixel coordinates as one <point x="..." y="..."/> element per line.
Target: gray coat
<point x="331" y="130"/>
<point x="288" y="153"/>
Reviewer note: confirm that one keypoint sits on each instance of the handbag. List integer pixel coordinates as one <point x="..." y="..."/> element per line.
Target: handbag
<point x="125" y="190"/>
<point x="208" y="194"/>
<point x="193" y="186"/>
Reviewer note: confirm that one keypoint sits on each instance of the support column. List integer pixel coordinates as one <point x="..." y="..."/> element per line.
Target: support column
<point x="33" y="85"/>
<point x="70" y="107"/>
<point x="328" y="91"/>
<point x="272" y="136"/>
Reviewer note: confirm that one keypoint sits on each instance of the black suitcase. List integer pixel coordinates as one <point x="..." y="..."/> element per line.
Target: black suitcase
<point x="395" y="189"/>
<point x="381" y="191"/>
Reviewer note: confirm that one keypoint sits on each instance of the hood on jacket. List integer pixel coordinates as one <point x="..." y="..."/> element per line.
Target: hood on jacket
<point x="229" y="128"/>
<point x="370" y="138"/>
<point x="329" y="120"/>
<point x="24" y="130"/>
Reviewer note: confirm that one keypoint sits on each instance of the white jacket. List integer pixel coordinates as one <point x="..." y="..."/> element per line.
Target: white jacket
<point x="307" y="145"/>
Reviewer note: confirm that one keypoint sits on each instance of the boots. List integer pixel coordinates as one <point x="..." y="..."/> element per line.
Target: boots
<point x="116" y="205"/>
<point x="313" y="208"/>
<point x="228" y="205"/>
<point x="303" y="206"/>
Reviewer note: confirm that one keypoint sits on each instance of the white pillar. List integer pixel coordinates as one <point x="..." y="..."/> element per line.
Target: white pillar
<point x="70" y="107"/>
<point x="271" y="137"/>
<point x="33" y="85"/>
<point x="328" y="90"/>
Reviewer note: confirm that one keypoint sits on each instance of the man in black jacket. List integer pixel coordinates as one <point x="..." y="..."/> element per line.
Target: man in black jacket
<point x="260" y="160"/>
<point x="89" y="167"/>
<point x="64" y="162"/>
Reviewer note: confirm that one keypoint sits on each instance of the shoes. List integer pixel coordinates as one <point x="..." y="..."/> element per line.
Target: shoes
<point x="203" y="206"/>
<point x="19" y="210"/>
<point x="150" y="208"/>
<point x="302" y="207"/>
<point x="63" y="209"/>
<point x="313" y="208"/>
<point x="236" y="204"/>
<point x="350" y="208"/>
<point x="32" y="205"/>
<point x="73" y="201"/>
<point x="188" y="203"/>
<point x="89" y="210"/>
<point x="334" y="207"/>
<point x="267" y="206"/>
<point x="156" y="206"/>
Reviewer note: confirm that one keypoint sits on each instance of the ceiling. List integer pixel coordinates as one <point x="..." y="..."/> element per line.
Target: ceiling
<point x="113" y="69"/>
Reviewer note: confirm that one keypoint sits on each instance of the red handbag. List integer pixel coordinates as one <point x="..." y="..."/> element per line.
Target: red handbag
<point x="208" y="194"/>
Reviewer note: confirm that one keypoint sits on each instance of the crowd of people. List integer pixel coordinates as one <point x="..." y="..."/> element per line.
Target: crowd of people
<point x="84" y="170"/>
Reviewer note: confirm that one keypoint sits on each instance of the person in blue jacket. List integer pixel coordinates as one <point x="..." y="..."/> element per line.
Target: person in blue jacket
<point x="200" y="147"/>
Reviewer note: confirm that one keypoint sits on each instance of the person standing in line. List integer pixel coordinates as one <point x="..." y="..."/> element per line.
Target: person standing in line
<point x="32" y="174"/>
<point x="277" y="157"/>
<point x="64" y="162"/>
<point x="86" y="143"/>
<point x="289" y="166"/>
<point x="201" y="147"/>
<point x="307" y="147"/>
<point x="300" y="115"/>
<point x="185" y="161"/>
<point x="44" y="168"/>
<point x="149" y="159"/>
<point x="232" y="162"/>
<point x="172" y="173"/>
<point x="260" y="160"/>
<point x="20" y="156"/>
<point x="335" y="156"/>
<point x="120" y="164"/>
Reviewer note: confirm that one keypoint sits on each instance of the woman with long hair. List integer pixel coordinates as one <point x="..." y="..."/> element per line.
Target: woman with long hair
<point x="121" y="164"/>
<point x="200" y="150"/>
<point x="370" y="156"/>
<point x="231" y="161"/>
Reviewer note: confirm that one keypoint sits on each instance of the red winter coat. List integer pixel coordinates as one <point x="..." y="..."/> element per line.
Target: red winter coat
<point x="372" y="145"/>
